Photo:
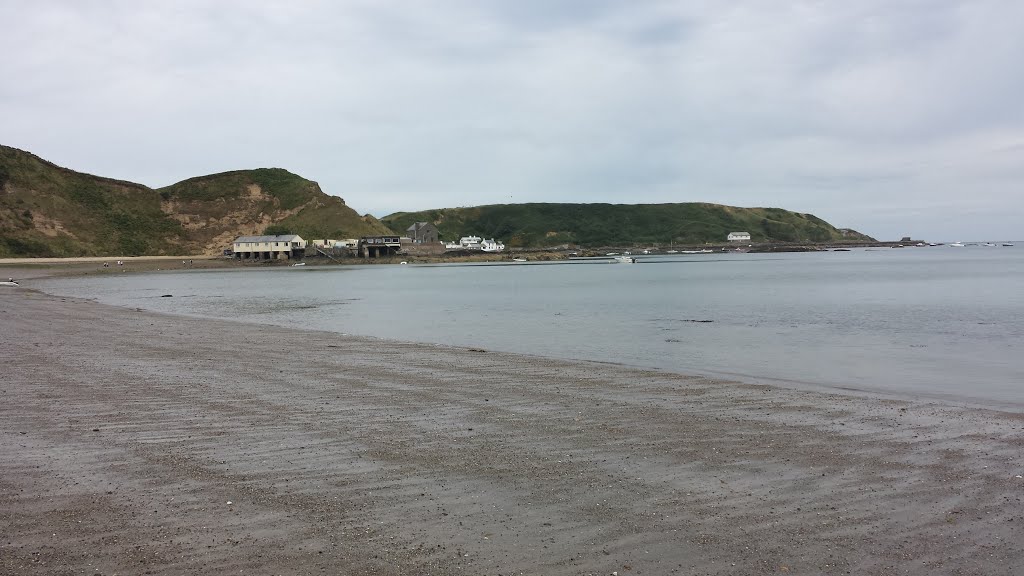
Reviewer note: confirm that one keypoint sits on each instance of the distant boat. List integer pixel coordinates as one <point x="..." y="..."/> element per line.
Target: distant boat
<point x="672" y="252"/>
<point x="519" y="259"/>
<point x="624" y="260"/>
<point x="10" y="282"/>
<point x="1007" y="244"/>
<point x="990" y="244"/>
<point x="957" y="244"/>
<point x="299" y="264"/>
<point x="612" y="254"/>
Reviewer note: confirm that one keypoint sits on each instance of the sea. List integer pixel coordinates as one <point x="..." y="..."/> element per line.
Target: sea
<point x="925" y="322"/>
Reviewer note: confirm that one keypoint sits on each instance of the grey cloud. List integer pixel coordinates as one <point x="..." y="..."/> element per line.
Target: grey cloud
<point x="858" y="112"/>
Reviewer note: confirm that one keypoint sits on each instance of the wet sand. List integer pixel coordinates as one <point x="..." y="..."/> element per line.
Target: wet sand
<point x="139" y="443"/>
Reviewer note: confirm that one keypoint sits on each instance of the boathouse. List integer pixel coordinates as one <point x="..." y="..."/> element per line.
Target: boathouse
<point x="289" y="246"/>
<point x="377" y="246"/>
<point x="738" y="237"/>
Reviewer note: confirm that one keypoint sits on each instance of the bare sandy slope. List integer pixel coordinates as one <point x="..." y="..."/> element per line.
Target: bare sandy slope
<point x="136" y="443"/>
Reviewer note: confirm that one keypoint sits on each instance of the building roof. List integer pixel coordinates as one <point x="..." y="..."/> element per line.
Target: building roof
<point x="279" y="238"/>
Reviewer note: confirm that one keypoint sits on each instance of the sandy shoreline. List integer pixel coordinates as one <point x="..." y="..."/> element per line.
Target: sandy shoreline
<point x="124" y="435"/>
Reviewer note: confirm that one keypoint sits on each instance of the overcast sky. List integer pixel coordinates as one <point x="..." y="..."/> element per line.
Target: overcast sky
<point x="892" y="117"/>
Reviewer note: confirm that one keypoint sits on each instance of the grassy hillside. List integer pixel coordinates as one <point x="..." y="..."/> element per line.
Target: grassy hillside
<point x="536" y="225"/>
<point x="47" y="210"/>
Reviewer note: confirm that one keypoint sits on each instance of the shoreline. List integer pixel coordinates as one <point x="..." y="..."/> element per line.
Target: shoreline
<point x="66" y="270"/>
<point x="137" y="441"/>
<point x="150" y="266"/>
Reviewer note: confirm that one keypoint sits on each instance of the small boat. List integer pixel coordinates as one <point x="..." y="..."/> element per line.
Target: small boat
<point x="1007" y="244"/>
<point x="624" y="260"/>
<point x="989" y="244"/>
<point x="10" y="282"/>
<point x="612" y="254"/>
<point x="299" y="264"/>
<point x="519" y="259"/>
<point x="957" y="244"/>
<point x="672" y="252"/>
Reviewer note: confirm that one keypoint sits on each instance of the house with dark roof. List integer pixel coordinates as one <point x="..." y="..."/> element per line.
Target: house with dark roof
<point x="423" y="233"/>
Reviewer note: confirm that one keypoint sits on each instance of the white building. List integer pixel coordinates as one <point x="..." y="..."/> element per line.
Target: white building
<point x="269" y="247"/>
<point x="739" y="237"/>
<point x="464" y="243"/>
<point x="491" y="245"/>
<point x="475" y="243"/>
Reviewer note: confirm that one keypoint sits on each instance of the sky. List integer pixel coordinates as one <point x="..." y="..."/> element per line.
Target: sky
<point x="892" y="117"/>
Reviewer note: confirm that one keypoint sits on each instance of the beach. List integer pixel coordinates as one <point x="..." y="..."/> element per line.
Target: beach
<point x="133" y="442"/>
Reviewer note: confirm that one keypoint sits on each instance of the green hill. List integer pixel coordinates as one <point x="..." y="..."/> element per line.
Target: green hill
<point x="47" y="210"/>
<point x="217" y="208"/>
<point x="540" y="225"/>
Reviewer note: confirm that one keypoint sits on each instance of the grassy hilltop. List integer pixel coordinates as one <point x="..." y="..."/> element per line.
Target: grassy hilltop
<point x="47" y="210"/>
<point x="542" y="224"/>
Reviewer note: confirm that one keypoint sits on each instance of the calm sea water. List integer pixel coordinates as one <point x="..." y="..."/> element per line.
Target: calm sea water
<point x="936" y="321"/>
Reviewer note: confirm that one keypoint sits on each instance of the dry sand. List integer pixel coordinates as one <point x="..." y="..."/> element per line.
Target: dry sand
<point x="138" y="443"/>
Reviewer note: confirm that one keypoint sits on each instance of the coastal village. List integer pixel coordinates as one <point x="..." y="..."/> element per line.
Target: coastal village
<point x="420" y="239"/>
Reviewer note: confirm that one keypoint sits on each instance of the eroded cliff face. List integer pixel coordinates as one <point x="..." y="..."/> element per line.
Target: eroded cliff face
<point x="218" y="208"/>
<point x="213" y="225"/>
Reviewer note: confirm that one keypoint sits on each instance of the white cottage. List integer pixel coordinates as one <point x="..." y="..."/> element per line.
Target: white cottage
<point x="738" y="237"/>
<point x="269" y="247"/>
